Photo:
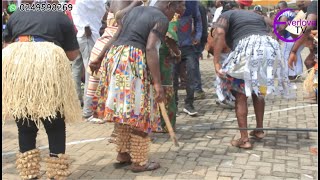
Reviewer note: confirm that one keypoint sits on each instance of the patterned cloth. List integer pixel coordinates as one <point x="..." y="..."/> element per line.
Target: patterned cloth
<point x="166" y="70"/>
<point x="125" y="94"/>
<point x="224" y="82"/>
<point x="28" y="38"/>
<point x="256" y="66"/>
<point x="97" y="48"/>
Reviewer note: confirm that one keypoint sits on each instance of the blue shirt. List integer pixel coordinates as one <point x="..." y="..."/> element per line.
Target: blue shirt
<point x="185" y="24"/>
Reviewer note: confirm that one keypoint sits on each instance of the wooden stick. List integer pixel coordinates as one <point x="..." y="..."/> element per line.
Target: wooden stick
<point x="168" y="124"/>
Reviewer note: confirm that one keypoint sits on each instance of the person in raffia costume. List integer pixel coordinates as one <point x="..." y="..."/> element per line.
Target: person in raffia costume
<point x="37" y="86"/>
<point x="117" y="10"/>
<point x="130" y="85"/>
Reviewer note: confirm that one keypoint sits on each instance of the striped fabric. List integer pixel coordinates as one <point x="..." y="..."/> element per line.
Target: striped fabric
<point x="97" y="48"/>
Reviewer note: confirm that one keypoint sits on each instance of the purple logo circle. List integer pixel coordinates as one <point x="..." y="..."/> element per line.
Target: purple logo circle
<point x="276" y="22"/>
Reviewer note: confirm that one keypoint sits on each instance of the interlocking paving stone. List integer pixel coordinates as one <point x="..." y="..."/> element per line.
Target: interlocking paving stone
<point x="204" y="153"/>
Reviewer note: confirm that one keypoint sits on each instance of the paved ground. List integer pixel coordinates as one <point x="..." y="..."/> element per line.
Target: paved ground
<point x="203" y="153"/>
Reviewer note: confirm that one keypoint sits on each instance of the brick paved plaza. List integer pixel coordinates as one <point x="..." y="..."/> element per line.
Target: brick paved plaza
<point x="203" y="153"/>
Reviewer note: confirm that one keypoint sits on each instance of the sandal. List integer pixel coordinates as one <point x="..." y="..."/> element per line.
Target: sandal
<point x="257" y="134"/>
<point x="241" y="143"/>
<point x="150" y="166"/>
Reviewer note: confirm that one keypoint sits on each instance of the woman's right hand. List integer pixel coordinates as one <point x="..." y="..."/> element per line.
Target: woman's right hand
<point x="159" y="97"/>
<point x="218" y="70"/>
<point x="292" y="59"/>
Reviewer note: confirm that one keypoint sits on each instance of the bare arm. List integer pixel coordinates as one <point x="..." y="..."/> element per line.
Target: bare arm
<point x="152" y="54"/>
<point x="72" y="55"/>
<point x="293" y="54"/>
<point x="297" y="44"/>
<point x="110" y="42"/>
<point x="95" y="64"/>
<point x="174" y="49"/>
<point x="220" y="43"/>
<point x="118" y="17"/>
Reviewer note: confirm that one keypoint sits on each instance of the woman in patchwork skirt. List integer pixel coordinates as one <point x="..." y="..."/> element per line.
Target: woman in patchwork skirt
<point x="130" y="85"/>
<point x="254" y="67"/>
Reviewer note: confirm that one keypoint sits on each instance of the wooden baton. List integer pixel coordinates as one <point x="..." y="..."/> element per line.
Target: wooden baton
<point x="168" y="124"/>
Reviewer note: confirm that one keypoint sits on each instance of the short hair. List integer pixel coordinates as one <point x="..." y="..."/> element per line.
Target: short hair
<point x="283" y="3"/>
<point x="257" y="8"/>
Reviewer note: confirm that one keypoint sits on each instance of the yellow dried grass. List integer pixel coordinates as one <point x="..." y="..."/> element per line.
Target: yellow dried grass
<point x="37" y="82"/>
<point x="308" y="84"/>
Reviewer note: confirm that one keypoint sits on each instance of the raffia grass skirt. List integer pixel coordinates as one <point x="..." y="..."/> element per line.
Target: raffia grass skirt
<point x="37" y="83"/>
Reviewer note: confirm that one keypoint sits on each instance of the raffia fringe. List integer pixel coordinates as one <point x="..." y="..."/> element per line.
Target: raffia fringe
<point x="37" y="82"/>
<point x="308" y="84"/>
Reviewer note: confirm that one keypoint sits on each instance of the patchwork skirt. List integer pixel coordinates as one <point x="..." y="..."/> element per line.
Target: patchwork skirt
<point x="125" y="94"/>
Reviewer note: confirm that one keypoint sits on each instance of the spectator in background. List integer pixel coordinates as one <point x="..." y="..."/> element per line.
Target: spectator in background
<point x="244" y="3"/>
<point x="87" y="19"/>
<point x="187" y="43"/>
<point x="217" y="13"/>
<point x="285" y="17"/>
<point x="258" y="9"/>
<point x="311" y="8"/>
<point x="312" y="60"/>
<point x="199" y="93"/>
<point x="68" y="13"/>
<point x="209" y="17"/>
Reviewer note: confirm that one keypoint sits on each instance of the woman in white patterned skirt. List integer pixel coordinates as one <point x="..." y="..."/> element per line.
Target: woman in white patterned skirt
<point x="254" y="66"/>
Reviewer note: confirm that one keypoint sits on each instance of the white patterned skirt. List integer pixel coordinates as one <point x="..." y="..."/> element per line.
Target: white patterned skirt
<point x="256" y="66"/>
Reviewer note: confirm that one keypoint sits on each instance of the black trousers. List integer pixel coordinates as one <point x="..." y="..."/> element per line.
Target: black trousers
<point x="56" y="131"/>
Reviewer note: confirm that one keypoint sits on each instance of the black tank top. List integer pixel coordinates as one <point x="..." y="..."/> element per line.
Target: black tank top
<point x="138" y="24"/>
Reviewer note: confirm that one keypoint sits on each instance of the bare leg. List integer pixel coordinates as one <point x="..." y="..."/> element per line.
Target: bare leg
<point x="258" y="104"/>
<point x="241" y="113"/>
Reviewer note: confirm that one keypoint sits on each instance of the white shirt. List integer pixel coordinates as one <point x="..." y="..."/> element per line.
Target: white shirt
<point x="217" y="14"/>
<point x="152" y="2"/>
<point x="88" y="13"/>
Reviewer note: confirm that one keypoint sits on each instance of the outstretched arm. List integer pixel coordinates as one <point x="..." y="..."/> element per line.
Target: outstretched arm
<point x="293" y="54"/>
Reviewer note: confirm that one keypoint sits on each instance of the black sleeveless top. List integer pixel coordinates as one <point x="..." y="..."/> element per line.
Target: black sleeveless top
<point x="138" y="24"/>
